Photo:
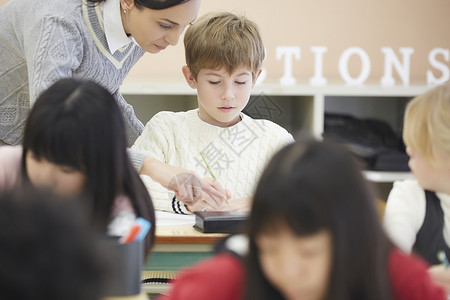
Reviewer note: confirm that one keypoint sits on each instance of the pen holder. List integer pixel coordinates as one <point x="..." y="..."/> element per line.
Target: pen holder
<point x="124" y="273"/>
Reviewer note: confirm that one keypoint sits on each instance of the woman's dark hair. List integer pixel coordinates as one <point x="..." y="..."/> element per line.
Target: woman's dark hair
<point x="77" y="123"/>
<point x="152" y="4"/>
<point x="316" y="186"/>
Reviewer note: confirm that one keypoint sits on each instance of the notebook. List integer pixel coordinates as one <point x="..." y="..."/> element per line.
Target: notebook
<point x="220" y="221"/>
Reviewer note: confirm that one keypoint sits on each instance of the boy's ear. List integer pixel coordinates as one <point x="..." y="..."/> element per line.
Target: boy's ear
<point x="256" y="78"/>
<point x="189" y="77"/>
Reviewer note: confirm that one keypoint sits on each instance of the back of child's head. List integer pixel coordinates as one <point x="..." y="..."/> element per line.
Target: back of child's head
<point x="47" y="250"/>
<point x="78" y="123"/>
<point x="223" y="40"/>
<point x="314" y="186"/>
<point x="72" y="123"/>
<point x="427" y="122"/>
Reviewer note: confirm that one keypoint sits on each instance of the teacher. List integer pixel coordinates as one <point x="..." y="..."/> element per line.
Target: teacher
<point x="100" y="40"/>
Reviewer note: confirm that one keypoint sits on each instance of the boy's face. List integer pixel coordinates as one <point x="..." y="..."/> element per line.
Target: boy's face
<point x="434" y="177"/>
<point x="221" y="96"/>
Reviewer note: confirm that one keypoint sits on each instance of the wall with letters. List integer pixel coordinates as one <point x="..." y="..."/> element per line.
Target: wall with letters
<point x="329" y="42"/>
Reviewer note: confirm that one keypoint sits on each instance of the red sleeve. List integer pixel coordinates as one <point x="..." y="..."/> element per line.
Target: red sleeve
<point x="220" y="278"/>
<point x="410" y="279"/>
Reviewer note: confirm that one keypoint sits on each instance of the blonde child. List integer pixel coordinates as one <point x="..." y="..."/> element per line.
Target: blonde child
<point x="417" y="215"/>
<point x="224" y="53"/>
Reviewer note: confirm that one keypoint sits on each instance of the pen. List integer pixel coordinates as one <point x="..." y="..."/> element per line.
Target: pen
<point x="443" y="258"/>
<point x="207" y="165"/>
<point x="210" y="172"/>
<point x="132" y="234"/>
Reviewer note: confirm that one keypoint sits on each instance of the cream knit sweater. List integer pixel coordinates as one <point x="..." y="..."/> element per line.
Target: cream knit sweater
<point x="236" y="155"/>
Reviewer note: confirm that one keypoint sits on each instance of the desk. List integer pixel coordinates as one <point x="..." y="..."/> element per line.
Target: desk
<point x="179" y="246"/>
<point x="184" y="235"/>
<point x="142" y="296"/>
<point x="176" y="246"/>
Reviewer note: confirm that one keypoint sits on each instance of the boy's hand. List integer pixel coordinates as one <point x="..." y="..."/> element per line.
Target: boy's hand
<point x="242" y="204"/>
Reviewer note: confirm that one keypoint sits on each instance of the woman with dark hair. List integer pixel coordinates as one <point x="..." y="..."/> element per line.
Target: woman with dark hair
<point x="75" y="144"/>
<point x="98" y="40"/>
<point x="313" y="234"/>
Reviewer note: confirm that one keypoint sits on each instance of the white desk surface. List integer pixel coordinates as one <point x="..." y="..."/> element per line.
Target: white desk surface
<point x="141" y="296"/>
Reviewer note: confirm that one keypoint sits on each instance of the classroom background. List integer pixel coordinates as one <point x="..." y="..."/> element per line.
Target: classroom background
<point x="345" y="48"/>
<point x="337" y="25"/>
<point x="365" y="59"/>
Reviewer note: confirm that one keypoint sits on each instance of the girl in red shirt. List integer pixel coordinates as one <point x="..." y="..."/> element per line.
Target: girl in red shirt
<point x="313" y="234"/>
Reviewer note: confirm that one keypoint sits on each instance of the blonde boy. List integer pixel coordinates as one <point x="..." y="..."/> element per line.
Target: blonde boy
<point x="224" y="54"/>
<point x="417" y="213"/>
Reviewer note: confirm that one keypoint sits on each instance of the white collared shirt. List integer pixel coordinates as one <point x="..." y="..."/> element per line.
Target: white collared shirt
<point x="112" y="21"/>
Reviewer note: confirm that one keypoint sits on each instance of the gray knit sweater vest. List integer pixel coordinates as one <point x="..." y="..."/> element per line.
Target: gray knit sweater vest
<point x="43" y="41"/>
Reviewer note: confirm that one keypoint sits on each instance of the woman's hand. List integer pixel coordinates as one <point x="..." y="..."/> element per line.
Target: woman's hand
<point x="188" y="187"/>
<point x="184" y="183"/>
<point x="214" y="196"/>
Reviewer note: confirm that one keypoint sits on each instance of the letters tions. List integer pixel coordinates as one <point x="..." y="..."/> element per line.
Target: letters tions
<point x="438" y="58"/>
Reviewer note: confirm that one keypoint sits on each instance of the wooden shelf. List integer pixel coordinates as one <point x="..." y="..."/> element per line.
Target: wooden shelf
<point x="378" y="176"/>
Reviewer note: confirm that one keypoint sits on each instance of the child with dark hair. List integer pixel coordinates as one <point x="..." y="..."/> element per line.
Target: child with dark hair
<point x="313" y="234"/>
<point x="47" y="249"/>
<point x="75" y="144"/>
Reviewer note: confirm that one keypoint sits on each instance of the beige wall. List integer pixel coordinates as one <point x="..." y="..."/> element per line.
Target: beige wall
<point x="338" y="25"/>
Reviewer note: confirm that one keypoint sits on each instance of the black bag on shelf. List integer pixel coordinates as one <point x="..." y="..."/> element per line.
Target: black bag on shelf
<point x="372" y="141"/>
